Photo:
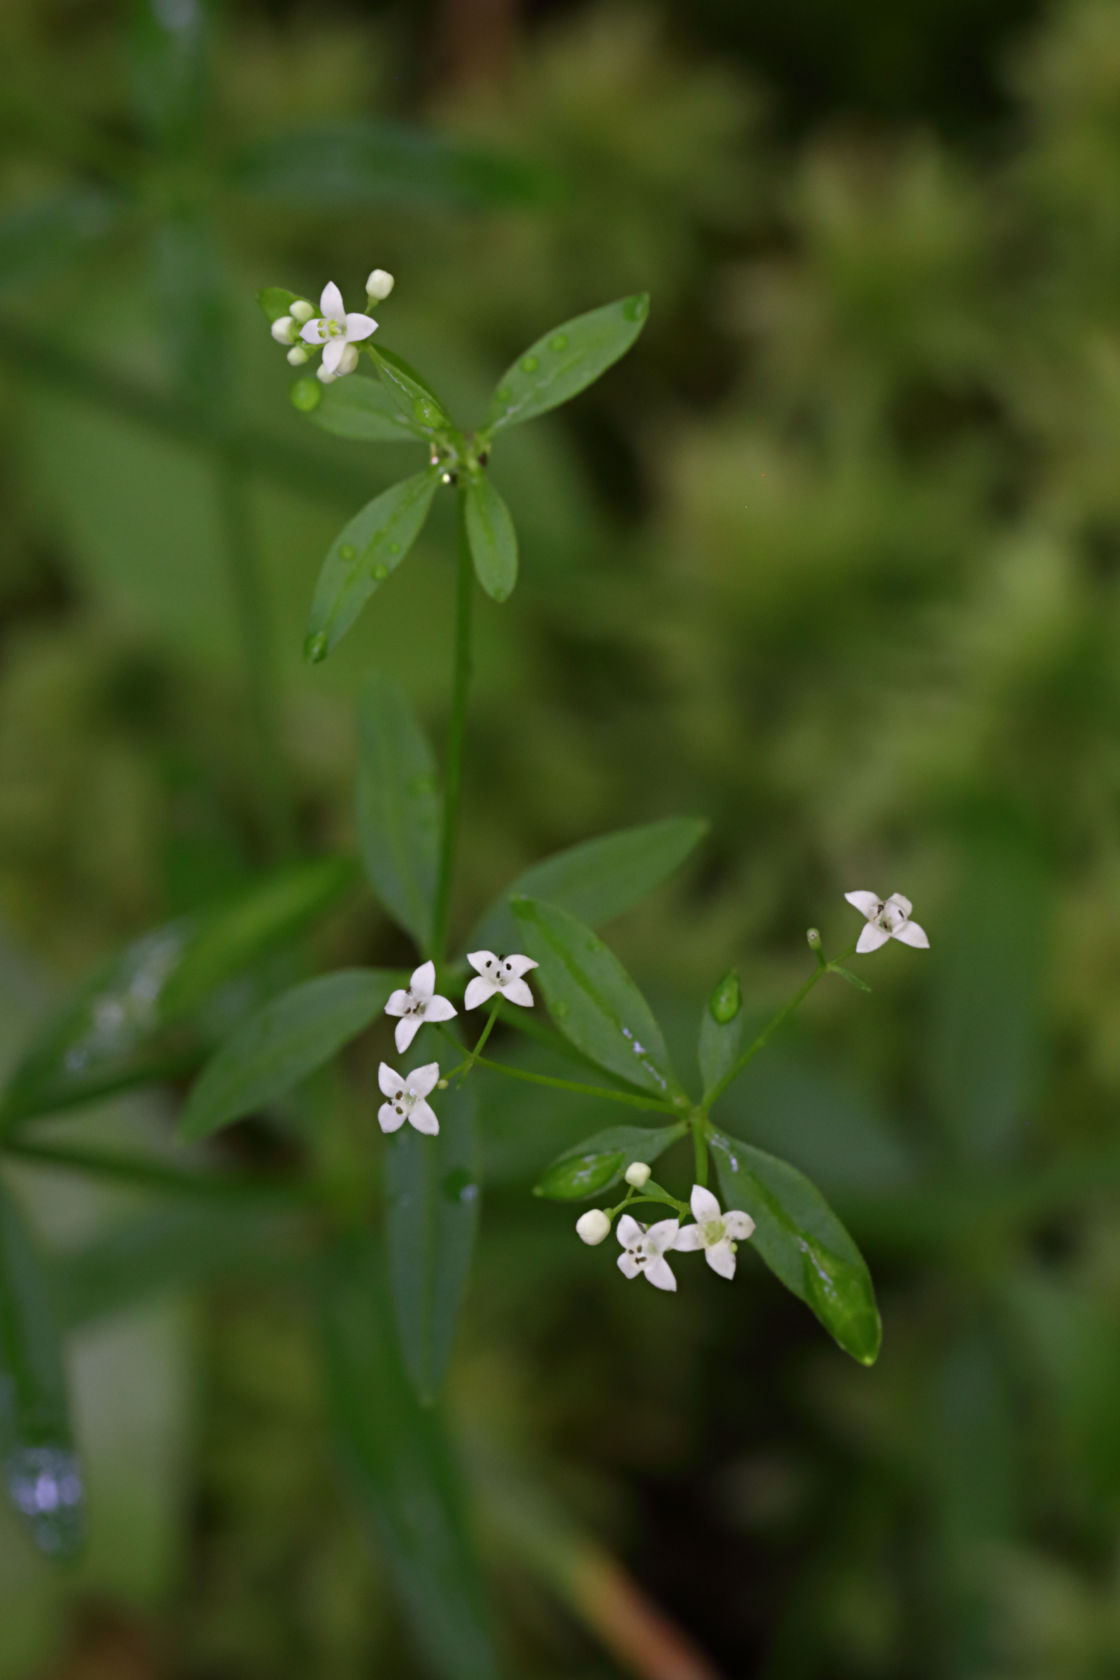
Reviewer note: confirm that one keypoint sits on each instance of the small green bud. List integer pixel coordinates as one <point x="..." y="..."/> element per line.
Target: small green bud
<point x="302" y="311"/>
<point x="306" y="395"/>
<point x="813" y="935"/>
<point x="637" y="1174"/>
<point x="727" y="999"/>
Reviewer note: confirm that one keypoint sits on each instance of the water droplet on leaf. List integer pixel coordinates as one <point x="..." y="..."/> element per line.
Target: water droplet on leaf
<point x="558" y="341"/>
<point x="347" y="551"/>
<point x="379" y="573"/>
<point x="315" y="648"/>
<point x="529" y="364"/>
<point x="636" y="308"/>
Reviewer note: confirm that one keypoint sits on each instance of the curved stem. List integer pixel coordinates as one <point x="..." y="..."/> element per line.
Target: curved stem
<point x="650" y="1104"/>
<point x="775" y="1022"/>
<point x="456" y="738"/>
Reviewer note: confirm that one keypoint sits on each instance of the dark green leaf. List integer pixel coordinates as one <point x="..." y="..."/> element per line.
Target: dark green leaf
<point x="48" y="234"/>
<point x="362" y="556"/>
<point x="398" y="807"/>
<point x="492" y="538"/>
<point x="721" y="1029"/>
<point x="566" y="360"/>
<point x="281" y="1044"/>
<point x="130" y="1024"/>
<point x="600" y="1161"/>
<point x="368" y="411"/>
<point x="413" y="392"/>
<point x="192" y="291"/>
<point x="40" y="1467"/>
<point x="804" y="1244"/>
<point x="398" y="1467"/>
<point x="597" y="879"/>
<point x="277" y="302"/>
<point x="591" y="997"/>
<point x="433" y="1195"/>
<point x="169" y="50"/>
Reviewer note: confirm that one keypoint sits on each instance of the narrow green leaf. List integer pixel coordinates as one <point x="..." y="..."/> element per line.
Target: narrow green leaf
<point x="853" y="979"/>
<point x="592" y="999"/>
<point x="132" y="1022"/>
<point x="566" y="360"/>
<point x="169" y="63"/>
<point x="433" y="1197"/>
<point x="276" y="302"/>
<point x="281" y="1044"/>
<point x="596" y="880"/>
<point x="40" y="1467"/>
<point x="398" y="807"/>
<point x="47" y="235"/>
<point x="600" y="1161"/>
<point x="397" y="1466"/>
<point x="413" y="392"/>
<point x="721" y="1029"/>
<point x="365" y="552"/>
<point x="368" y="411"/>
<point x="492" y="538"/>
<point x="804" y="1244"/>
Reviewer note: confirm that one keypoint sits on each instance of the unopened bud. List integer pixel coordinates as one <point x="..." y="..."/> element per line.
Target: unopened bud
<point x="297" y="355"/>
<point x="305" y="395"/>
<point x="727" y="999"/>
<point x="379" y="284"/>
<point x="283" y="329"/>
<point x="813" y="935"/>
<point x="593" y="1226"/>
<point x="637" y="1174"/>
<point x="302" y="310"/>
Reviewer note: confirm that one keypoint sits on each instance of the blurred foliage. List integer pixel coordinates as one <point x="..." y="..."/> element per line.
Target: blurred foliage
<point x="834" y="560"/>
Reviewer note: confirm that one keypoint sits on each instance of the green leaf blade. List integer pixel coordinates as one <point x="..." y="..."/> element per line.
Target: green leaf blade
<point x="366" y="551"/>
<point x="600" y="1161"/>
<point x="281" y="1044"/>
<point x="276" y="301"/>
<point x="592" y="999"/>
<point x="566" y="360"/>
<point x="492" y="538"/>
<point x="366" y="411"/>
<point x="721" y="1030"/>
<point x="398" y="807"/>
<point x="800" y="1239"/>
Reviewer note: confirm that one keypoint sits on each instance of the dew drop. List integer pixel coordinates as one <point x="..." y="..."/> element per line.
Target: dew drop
<point x="315" y="648"/>
<point x="347" y="552"/>
<point x="529" y="364"/>
<point x="636" y="308"/>
<point x="558" y="341"/>
<point x="394" y="548"/>
<point x="560" y="1009"/>
<point x="503" y="394"/>
<point x="379" y="573"/>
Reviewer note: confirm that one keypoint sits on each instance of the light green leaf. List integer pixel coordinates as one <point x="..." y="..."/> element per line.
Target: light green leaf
<point x="365" y="552"/>
<point x="804" y="1244"/>
<point x="40" y="1467"/>
<point x="600" y="1161"/>
<point x="368" y="411"/>
<point x="397" y="1466"/>
<point x="398" y="807"/>
<point x="721" y="1029"/>
<point x="566" y="360"/>
<point x="131" y="1023"/>
<point x="492" y="538"/>
<point x="281" y="1044"/>
<point x="596" y="880"/>
<point x="412" y="390"/>
<point x="276" y="301"/>
<point x="592" y="999"/>
<point x="433" y="1198"/>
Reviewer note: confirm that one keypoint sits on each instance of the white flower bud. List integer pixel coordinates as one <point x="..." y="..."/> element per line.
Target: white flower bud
<point x="302" y="310"/>
<point x="297" y="355"/>
<point x="593" y="1226"/>
<point x="637" y="1174"/>
<point x="379" y="284"/>
<point x="283" y="329"/>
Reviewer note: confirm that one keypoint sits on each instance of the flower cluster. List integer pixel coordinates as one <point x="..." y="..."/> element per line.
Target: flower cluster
<point x="645" y="1247"/>
<point x="333" y="330"/>
<point x="412" y="1005"/>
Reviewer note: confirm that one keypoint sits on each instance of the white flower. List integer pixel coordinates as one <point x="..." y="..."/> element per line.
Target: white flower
<point x="499" y="974"/>
<point x="284" y="329"/>
<point x="643" y="1250"/>
<point x="637" y="1174"/>
<point x="407" y="1098"/>
<point x="593" y="1226"/>
<point x="420" y="1003"/>
<point x="886" y="919"/>
<point x="715" y="1232"/>
<point x="379" y="284"/>
<point x="337" y="332"/>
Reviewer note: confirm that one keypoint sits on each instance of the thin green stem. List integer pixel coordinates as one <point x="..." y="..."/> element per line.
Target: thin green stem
<point x="772" y="1026"/>
<point x="650" y="1104"/>
<point x="144" y="1174"/>
<point x="700" y="1149"/>
<point x="483" y="1036"/>
<point x="456" y="738"/>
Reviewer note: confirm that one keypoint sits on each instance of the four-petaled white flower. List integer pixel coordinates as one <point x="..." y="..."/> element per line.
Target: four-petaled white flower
<point x="644" y="1249"/>
<point x="498" y="974"/>
<point x="715" y="1232"/>
<point x="886" y="919"/>
<point x="407" y="1096"/>
<point x="421" y="1002"/>
<point x="338" y="333"/>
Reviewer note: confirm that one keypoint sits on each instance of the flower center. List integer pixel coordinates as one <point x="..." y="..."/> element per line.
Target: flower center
<point x="713" y="1232"/>
<point x="333" y="329"/>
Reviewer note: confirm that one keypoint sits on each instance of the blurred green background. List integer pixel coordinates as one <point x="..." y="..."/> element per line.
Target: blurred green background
<point x="833" y="558"/>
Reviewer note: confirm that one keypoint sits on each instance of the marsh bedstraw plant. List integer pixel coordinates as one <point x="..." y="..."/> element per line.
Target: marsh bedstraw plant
<point x="149" y="1012"/>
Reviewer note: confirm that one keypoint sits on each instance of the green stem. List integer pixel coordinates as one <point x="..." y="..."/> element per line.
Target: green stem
<point x="772" y="1026"/>
<point x="150" y="1175"/>
<point x="478" y="1049"/>
<point x="700" y="1149"/>
<point x="650" y="1104"/>
<point x="456" y="738"/>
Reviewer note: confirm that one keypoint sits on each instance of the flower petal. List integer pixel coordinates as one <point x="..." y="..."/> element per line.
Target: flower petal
<point x="688" y="1240"/>
<point x="389" y="1080"/>
<point x="663" y="1235"/>
<point x="738" y="1225"/>
<point x="721" y="1258"/>
<point x="900" y="903"/>
<point x="331" y="304"/>
<point x="332" y="355"/>
<point x="423" y="982"/>
<point x="519" y="965"/>
<point x="439" y="1009"/>
<point x="312" y="332"/>
<point x="479" y="959"/>
<point x="659" y="1275"/>
<point x="871" y="938"/>
<point x="478" y="990"/>
<point x="424" y="1118"/>
<point x="399" y="1001"/>
<point x="867" y="903"/>
<point x="405" y="1031"/>
<point x="627" y="1264"/>
<point x="911" y="934"/>
<point x="388" y="1118"/>
<point x="359" y="327"/>
<point x="517" y="991"/>
<point x="424" y="1079"/>
<point x="703" y="1204"/>
<point x="629" y="1231"/>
